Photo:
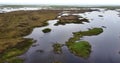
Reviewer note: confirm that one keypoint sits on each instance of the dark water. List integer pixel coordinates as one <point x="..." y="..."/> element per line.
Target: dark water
<point x="105" y="47"/>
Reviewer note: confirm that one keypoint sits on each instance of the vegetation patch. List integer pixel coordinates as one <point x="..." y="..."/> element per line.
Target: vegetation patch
<point x="46" y="30"/>
<point x="82" y="48"/>
<point x="57" y="48"/>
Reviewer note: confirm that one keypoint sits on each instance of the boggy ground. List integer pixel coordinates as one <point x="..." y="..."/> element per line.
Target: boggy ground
<point x="15" y="25"/>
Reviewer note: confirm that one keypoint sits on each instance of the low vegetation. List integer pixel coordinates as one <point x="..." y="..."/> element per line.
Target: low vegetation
<point x="46" y="30"/>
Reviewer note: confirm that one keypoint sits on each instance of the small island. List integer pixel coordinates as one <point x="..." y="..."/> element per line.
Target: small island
<point x="82" y="48"/>
<point x="46" y="30"/>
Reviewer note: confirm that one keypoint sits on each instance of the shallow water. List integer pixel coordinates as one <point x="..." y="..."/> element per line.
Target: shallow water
<point x="105" y="46"/>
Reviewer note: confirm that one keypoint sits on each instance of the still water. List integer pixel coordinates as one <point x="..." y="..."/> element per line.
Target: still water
<point x="105" y="46"/>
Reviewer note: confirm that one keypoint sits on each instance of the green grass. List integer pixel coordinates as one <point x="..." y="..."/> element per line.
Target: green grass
<point x="82" y="49"/>
<point x="46" y="30"/>
<point x="57" y="48"/>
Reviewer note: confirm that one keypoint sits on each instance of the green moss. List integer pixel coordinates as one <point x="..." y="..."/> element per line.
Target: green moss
<point x="82" y="49"/>
<point x="46" y="30"/>
<point x="57" y="48"/>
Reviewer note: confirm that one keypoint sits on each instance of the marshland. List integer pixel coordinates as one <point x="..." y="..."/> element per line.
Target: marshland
<point x="59" y="34"/>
